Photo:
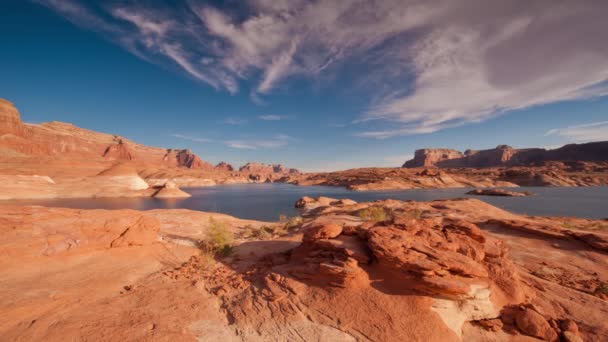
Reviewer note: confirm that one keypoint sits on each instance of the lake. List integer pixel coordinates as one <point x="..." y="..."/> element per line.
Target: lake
<point x="267" y="201"/>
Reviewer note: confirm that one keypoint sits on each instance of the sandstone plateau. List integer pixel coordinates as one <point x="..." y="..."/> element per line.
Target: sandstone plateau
<point x="504" y="155"/>
<point x="448" y="270"/>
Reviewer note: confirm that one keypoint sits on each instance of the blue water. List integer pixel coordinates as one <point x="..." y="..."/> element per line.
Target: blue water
<point x="268" y="201"/>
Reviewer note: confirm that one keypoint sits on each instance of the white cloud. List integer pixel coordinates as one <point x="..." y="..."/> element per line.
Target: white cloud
<point x="597" y="131"/>
<point x="191" y="138"/>
<point x="435" y="64"/>
<point x="278" y="141"/>
<point x="272" y="117"/>
<point x="233" y="121"/>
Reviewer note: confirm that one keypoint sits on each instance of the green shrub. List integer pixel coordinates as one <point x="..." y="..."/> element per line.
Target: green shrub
<point x="376" y="214"/>
<point x="218" y="241"/>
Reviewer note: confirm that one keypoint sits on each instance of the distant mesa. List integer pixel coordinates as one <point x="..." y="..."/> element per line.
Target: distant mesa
<point x="504" y="155"/>
<point x="223" y="166"/>
<point x="261" y="168"/>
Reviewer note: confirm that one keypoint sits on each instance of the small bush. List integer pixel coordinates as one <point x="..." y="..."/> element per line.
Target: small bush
<point x="251" y="232"/>
<point x="293" y="222"/>
<point x="376" y="214"/>
<point x="218" y="241"/>
<point x="281" y="228"/>
<point x="602" y="289"/>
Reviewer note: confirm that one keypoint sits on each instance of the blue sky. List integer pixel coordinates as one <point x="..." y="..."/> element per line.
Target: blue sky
<point x="314" y="85"/>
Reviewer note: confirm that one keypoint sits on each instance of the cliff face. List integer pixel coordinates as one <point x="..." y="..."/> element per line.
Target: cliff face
<point x="504" y="155"/>
<point x="430" y="157"/>
<point x="57" y="139"/>
<point x="10" y="121"/>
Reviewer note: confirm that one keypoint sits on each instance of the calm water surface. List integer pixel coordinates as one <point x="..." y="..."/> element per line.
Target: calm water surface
<point x="268" y="201"/>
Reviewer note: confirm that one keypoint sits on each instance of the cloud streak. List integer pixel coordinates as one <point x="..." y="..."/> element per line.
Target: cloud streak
<point x="233" y="121"/>
<point x="191" y="138"/>
<point x="596" y="131"/>
<point x="248" y="144"/>
<point x="429" y="65"/>
<point x="272" y="117"/>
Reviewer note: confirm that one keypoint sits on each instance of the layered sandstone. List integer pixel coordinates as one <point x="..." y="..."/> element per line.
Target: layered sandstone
<point x="57" y="139"/>
<point x="430" y="157"/>
<point x="504" y="155"/>
<point x="10" y="120"/>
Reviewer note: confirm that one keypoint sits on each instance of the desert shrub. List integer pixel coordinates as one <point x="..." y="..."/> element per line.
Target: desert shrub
<point x="602" y="289"/>
<point x="218" y="241"/>
<point x="293" y="222"/>
<point x="281" y="228"/>
<point x="376" y="214"/>
<point x="251" y="232"/>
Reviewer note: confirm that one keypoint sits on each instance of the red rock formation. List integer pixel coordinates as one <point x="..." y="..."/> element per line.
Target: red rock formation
<point x="265" y="169"/>
<point x="223" y="166"/>
<point x="10" y="121"/>
<point x="504" y="155"/>
<point x="77" y="144"/>
<point x="185" y="158"/>
<point x="430" y="157"/>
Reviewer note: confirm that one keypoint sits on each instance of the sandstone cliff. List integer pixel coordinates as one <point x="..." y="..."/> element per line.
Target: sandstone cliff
<point x="504" y="155"/>
<point x="58" y="139"/>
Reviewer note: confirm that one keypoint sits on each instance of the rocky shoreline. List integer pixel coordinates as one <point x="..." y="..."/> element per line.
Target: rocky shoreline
<point x="370" y="179"/>
<point x="449" y="270"/>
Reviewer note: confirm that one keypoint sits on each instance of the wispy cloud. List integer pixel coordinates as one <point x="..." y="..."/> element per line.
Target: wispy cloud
<point x="191" y="138"/>
<point x="233" y="121"/>
<point x="596" y="131"/>
<point x="438" y="64"/>
<point x="278" y="141"/>
<point x="272" y="117"/>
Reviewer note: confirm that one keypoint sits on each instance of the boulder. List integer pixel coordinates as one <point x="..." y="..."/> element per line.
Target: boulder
<point x="325" y="231"/>
<point x="534" y="324"/>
